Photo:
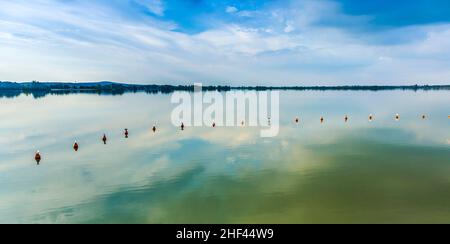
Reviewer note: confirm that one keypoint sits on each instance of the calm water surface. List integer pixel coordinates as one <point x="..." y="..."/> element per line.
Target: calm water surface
<point x="384" y="171"/>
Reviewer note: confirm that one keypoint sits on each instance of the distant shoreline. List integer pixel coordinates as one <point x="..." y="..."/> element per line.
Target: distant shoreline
<point x="40" y="89"/>
<point x="107" y="85"/>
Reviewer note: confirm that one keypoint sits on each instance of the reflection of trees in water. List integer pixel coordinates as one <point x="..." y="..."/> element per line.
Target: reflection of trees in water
<point x="36" y="94"/>
<point x="9" y="94"/>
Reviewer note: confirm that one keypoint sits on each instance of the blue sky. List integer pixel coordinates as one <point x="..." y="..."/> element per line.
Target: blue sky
<point x="254" y="42"/>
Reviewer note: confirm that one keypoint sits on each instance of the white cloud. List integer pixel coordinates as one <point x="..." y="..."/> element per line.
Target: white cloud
<point x="154" y="6"/>
<point x="289" y="27"/>
<point x="231" y="9"/>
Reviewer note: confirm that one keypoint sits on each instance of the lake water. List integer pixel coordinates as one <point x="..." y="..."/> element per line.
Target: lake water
<point x="384" y="171"/>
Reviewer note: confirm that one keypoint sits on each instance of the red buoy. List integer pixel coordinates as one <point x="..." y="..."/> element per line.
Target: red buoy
<point x="38" y="157"/>
<point x="75" y="146"/>
<point x="126" y="133"/>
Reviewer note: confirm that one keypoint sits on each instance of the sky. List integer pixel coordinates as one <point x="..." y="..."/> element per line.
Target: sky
<point x="227" y="42"/>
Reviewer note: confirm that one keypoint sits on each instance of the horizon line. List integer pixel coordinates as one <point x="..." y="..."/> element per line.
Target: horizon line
<point x="220" y="85"/>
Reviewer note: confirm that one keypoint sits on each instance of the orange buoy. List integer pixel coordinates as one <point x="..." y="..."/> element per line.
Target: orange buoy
<point x="37" y="157"/>
<point x="154" y="129"/>
<point x="104" y="139"/>
<point x="448" y="116"/>
<point x="126" y="133"/>
<point x="75" y="146"/>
